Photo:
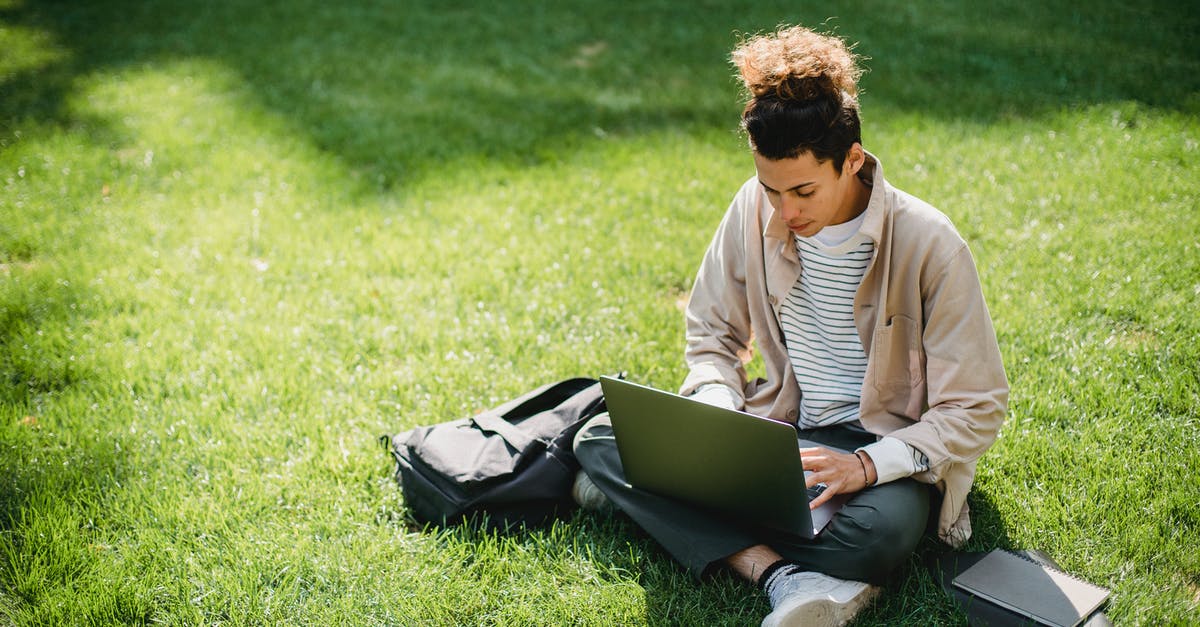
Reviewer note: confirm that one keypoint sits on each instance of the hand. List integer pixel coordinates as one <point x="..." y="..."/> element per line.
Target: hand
<point x="842" y="473"/>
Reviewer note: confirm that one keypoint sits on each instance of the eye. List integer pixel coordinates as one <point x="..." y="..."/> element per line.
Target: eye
<point x="804" y="194"/>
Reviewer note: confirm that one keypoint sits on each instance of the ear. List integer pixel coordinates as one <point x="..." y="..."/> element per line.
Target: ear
<point x="855" y="158"/>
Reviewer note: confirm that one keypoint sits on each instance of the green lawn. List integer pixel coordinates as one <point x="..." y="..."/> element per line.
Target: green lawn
<point x="240" y="240"/>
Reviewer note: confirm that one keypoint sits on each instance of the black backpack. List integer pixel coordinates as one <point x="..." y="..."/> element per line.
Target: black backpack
<point x="506" y="466"/>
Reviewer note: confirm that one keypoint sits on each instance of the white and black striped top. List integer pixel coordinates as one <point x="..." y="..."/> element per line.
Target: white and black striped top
<point x="817" y="318"/>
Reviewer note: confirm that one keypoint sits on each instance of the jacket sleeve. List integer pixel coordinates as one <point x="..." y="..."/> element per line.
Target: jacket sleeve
<point x="965" y="381"/>
<point x="719" y="333"/>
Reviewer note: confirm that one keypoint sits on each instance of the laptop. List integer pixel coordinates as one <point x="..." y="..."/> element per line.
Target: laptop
<point x="737" y="463"/>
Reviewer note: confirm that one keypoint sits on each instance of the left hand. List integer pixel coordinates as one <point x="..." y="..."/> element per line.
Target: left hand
<point x="841" y="473"/>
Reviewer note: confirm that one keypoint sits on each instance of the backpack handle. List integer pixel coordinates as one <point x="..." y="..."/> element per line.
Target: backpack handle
<point x="516" y="438"/>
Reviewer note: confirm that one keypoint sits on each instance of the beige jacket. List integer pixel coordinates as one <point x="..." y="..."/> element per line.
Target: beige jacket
<point x="935" y="379"/>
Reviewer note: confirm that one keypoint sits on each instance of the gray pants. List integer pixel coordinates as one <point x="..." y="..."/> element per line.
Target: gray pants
<point x="867" y="539"/>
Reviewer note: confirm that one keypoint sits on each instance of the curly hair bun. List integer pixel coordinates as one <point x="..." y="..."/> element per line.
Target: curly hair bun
<point x="796" y="63"/>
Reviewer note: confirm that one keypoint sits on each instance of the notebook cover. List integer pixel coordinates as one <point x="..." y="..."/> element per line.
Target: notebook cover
<point x="1031" y="589"/>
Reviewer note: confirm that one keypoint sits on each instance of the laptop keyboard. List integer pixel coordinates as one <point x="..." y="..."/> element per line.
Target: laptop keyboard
<point x="816" y="491"/>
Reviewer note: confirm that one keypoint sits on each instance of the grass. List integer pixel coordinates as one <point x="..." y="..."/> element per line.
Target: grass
<point x="239" y="241"/>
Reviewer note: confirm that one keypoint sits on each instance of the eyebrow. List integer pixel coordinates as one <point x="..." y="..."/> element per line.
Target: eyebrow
<point x="790" y="189"/>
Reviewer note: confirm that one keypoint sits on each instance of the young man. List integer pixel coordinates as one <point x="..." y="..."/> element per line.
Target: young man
<point x="866" y="308"/>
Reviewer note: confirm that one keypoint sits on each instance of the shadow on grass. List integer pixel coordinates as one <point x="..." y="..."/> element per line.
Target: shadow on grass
<point x="55" y="477"/>
<point x="34" y="353"/>
<point x="915" y="596"/>
<point x="401" y="91"/>
<point x="36" y="365"/>
<point x="618" y="549"/>
<point x="52" y="475"/>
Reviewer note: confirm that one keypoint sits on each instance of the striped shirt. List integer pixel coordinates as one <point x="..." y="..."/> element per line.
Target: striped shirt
<point x="817" y="319"/>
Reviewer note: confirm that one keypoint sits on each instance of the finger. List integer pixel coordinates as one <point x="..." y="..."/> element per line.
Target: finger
<point x="813" y="458"/>
<point x="824" y="496"/>
<point x="815" y="451"/>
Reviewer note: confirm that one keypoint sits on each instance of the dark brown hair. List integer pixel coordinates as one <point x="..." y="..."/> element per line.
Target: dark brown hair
<point x="803" y="94"/>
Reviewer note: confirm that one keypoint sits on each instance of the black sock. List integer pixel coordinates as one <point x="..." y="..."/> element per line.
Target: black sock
<point x="781" y="567"/>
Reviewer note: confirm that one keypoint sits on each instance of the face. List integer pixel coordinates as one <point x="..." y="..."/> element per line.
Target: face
<point x="810" y="195"/>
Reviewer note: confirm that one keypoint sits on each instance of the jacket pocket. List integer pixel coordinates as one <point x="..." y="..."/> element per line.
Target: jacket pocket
<point x="898" y="366"/>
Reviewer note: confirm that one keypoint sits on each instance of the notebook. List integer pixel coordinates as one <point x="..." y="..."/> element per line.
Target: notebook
<point x="1037" y="591"/>
<point x="730" y="461"/>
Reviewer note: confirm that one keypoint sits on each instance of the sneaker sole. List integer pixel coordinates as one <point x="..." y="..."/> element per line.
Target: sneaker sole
<point x="821" y="611"/>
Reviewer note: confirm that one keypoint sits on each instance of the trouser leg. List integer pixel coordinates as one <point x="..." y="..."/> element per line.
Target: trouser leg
<point x="868" y="538"/>
<point x="693" y="536"/>
<point x="871" y="535"/>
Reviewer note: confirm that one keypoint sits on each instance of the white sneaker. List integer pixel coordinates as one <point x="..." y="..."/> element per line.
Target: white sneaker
<point x="817" y="599"/>
<point x="587" y="495"/>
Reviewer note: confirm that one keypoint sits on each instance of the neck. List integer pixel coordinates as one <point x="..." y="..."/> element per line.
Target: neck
<point x="856" y="200"/>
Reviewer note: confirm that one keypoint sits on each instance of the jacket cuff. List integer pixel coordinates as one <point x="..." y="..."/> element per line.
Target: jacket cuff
<point x="893" y="459"/>
<point x="710" y="372"/>
<point x="719" y="395"/>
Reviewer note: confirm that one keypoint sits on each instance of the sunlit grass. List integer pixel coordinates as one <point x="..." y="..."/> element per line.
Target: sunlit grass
<point x="233" y="252"/>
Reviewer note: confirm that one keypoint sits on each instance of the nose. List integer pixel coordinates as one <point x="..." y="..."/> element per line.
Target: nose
<point x="789" y="207"/>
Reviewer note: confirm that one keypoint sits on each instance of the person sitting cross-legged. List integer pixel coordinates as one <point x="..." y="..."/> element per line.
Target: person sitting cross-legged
<point x="866" y="308"/>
